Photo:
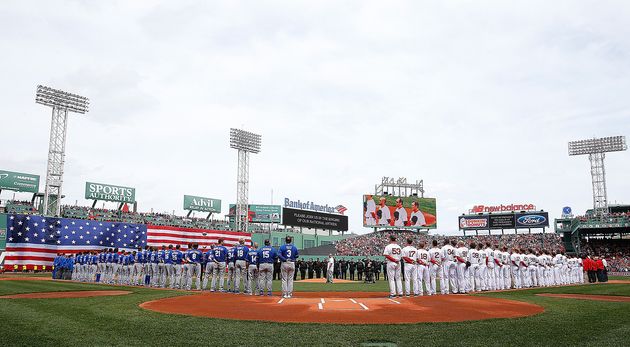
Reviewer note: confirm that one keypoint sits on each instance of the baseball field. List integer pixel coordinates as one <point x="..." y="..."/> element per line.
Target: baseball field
<point x="130" y="317"/>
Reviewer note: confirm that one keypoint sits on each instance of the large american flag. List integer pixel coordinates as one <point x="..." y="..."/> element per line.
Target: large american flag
<point x="36" y="240"/>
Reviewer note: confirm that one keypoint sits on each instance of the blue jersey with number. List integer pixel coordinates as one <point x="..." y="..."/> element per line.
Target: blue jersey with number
<point x="252" y="257"/>
<point x="115" y="258"/>
<point x="267" y="254"/>
<point x="194" y="256"/>
<point x="209" y="256"/>
<point x="220" y="254"/>
<point x="161" y="256"/>
<point x="241" y="252"/>
<point x="177" y="257"/>
<point x="288" y="252"/>
<point x="168" y="257"/>
<point x="231" y="255"/>
<point x="154" y="257"/>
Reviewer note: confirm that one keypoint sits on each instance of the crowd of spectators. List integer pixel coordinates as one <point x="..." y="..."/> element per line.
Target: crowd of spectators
<point x="615" y="251"/>
<point x="373" y="244"/>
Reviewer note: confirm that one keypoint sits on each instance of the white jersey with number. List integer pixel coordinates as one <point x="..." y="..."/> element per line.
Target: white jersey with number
<point x="462" y="252"/>
<point x="420" y="220"/>
<point x="490" y="254"/>
<point x="515" y="259"/>
<point x="475" y="257"/>
<point x="423" y="257"/>
<point x="533" y="259"/>
<point x="331" y="264"/>
<point x="448" y="253"/>
<point x="385" y="215"/>
<point x="409" y="252"/>
<point x="393" y="250"/>
<point x="402" y="217"/>
<point x="435" y="254"/>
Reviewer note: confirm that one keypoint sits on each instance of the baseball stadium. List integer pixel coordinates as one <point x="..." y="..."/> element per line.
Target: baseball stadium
<point x="95" y="255"/>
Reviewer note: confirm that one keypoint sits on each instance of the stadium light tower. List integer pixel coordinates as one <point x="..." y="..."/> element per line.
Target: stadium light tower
<point x="596" y="150"/>
<point x="61" y="103"/>
<point x="245" y="142"/>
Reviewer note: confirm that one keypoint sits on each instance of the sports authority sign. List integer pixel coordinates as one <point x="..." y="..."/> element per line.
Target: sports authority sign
<point x="198" y="203"/>
<point x="108" y="192"/>
<point x="19" y="182"/>
<point x="502" y="208"/>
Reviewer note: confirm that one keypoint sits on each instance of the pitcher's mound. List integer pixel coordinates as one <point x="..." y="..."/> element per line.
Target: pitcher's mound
<point x="343" y="308"/>
<point x="61" y="295"/>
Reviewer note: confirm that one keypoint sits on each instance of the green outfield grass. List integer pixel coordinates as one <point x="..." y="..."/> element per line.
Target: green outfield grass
<point x="119" y="321"/>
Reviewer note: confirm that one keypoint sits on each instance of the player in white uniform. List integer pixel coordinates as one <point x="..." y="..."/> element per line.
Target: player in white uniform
<point x="557" y="268"/>
<point x="474" y="270"/>
<point x="506" y="267"/>
<point x="435" y="257"/>
<point x="483" y="267"/>
<point x="492" y="267"/>
<point x="400" y="215"/>
<point x="383" y="214"/>
<point x="540" y="273"/>
<point x="424" y="263"/>
<point x="449" y="269"/>
<point x="417" y="217"/>
<point x="515" y="260"/>
<point x="411" y="274"/>
<point x="461" y="256"/>
<point x="392" y="254"/>
<point x="370" y="210"/>
<point x="532" y="267"/>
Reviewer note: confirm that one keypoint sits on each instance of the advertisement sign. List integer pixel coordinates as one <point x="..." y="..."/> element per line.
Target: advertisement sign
<point x="473" y="222"/>
<point x="532" y="220"/>
<point x="502" y="208"/>
<point x="19" y="182"/>
<point x="198" y="203"/>
<point x="260" y="213"/>
<point x="108" y="192"/>
<point x="504" y="221"/>
<point x="390" y="211"/>
<point x="314" y="220"/>
<point x="310" y="205"/>
<point x="501" y="221"/>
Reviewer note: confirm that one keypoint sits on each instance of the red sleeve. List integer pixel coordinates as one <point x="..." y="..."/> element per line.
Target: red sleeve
<point x="391" y="258"/>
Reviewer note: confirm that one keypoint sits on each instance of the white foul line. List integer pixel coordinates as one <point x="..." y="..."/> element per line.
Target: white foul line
<point x="364" y="307"/>
<point x="281" y="300"/>
<point x="320" y="306"/>
<point x="323" y="302"/>
<point x="392" y="300"/>
<point x="353" y="301"/>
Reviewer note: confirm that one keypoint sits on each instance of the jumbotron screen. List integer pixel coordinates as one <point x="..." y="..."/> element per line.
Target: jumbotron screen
<point x="400" y="212"/>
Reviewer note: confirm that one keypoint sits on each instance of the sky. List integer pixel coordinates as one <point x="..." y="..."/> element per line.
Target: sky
<point x="476" y="98"/>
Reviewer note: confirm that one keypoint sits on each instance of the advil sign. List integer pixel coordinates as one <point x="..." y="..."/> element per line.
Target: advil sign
<point x="197" y="203"/>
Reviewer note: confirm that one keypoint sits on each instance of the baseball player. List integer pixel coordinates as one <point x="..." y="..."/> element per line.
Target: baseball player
<point x="532" y="266"/>
<point x="252" y="270"/>
<point x="400" y="215"/>
<point x="147" y="265"/>
<point x="411" y="274"/>
<point x="494" y="266"/>
<point x="155" y="267"/>
<point x="393" y="254"/>
<point x="370" y="210"/>
<point x="506" y="268"/>
<point x="461" y="256"/>
<point x="194" y="263"/>
<point x="137" y="267"/>
<point x="231" y="259"/>
<point x="540" y="271"/>
<point x="435" y="254"/>
<point x="161" y="267"/>
<point x="209" y="269"/>
<point x="178" y="258"/>
<point x="169" y="267"/>
<point x="266" y="258"/>
<point x="116" y="265"/>
<point x="515" y="260"/>
<point x="417" y="217"/>
<point x="240" y="265"/>
<point x="474" y="268"/>
<point x="186" y="267"/>
<point x="423" y="268"/>
<point x="219" y="258"/>
<point x="287" y="253"/>
<point x="330" y="268"/>
<point x="383" y="214"/>
<point x="448" y="269"/>
<point x="524" y="269"/>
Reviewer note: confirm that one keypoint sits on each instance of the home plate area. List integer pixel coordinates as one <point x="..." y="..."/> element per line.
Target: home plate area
<point x="343" y="308"/>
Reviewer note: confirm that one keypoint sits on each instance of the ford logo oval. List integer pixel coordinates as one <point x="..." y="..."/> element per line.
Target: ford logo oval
<point x="533" y="219"/>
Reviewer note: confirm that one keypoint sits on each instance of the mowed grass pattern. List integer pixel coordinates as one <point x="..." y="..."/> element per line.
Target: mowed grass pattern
<point x="103" y="321"/>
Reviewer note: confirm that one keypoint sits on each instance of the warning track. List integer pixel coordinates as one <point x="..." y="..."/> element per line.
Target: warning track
<point x="343" y="308"/>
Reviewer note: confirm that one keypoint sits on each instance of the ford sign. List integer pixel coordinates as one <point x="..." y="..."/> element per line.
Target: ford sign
<point x="531" y="220"/>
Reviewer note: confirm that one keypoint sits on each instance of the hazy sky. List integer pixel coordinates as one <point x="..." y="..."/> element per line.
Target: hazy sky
<point x="478" y="98"/>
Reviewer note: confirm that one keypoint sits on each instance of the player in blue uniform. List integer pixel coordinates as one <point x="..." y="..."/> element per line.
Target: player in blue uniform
<point x="161" y="267"/>
<point x="231" y="258"/>
<point x="252" y="270"/>
<point x="194" y="258"/>
<point x="287" y="253"/>
<point x="266" y="257"/>
<point x="169" y="267"/>
<point x="219" y="258"/>
<point x="208" y="258"/>
<point x="154" y="258"/>
<point x="240" y="265"/>
<point x="177" y="264"/>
